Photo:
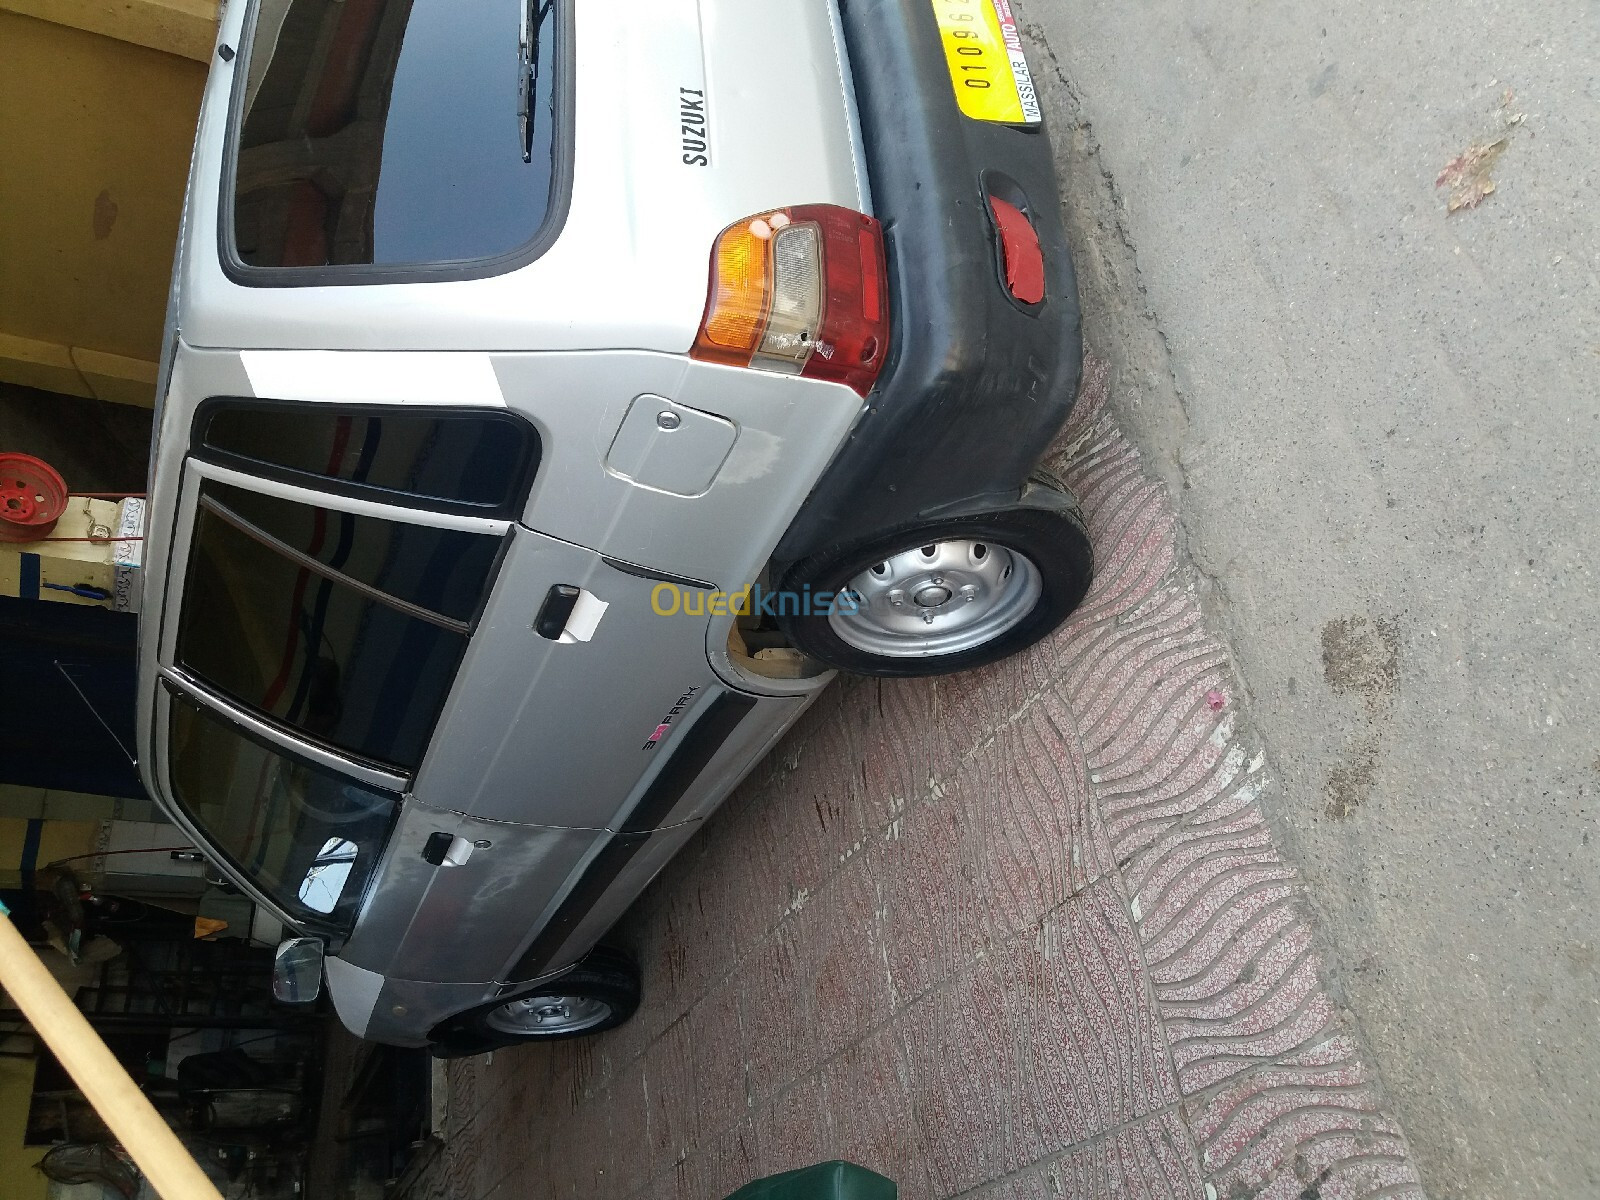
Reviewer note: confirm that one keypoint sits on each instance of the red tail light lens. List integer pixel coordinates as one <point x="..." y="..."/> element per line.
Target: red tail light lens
<point x="799" y="291"/>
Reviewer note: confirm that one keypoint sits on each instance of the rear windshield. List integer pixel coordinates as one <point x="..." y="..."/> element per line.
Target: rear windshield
<point x="395" y="132"/>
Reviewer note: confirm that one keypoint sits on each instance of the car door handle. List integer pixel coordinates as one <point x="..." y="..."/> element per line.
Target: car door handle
<point x="446" y="850"/>
<point x="556" y="611"/>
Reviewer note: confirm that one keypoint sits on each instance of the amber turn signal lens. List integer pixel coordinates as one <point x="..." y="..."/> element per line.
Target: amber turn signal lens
<point x="741" y="292"/>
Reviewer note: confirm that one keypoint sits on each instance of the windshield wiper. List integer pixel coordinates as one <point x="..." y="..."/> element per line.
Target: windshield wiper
<point x="533" y="17"/>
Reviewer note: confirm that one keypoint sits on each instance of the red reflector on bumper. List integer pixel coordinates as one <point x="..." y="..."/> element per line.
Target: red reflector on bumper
<point x="1019" y="246"/>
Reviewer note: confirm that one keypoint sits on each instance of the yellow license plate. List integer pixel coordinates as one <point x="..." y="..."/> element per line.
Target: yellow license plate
<point x="983" y="49"/>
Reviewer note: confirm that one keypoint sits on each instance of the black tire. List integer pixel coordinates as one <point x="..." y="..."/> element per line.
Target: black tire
<point x="1044" y="526"/>
<point x="600" y="993"/>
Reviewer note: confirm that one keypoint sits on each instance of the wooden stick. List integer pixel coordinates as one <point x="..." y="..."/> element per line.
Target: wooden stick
<point x="169" y="1167"/>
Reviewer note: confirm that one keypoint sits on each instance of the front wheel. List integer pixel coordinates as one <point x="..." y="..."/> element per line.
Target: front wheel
<point x="600" y="993"/>
<point x="945" y="595"/>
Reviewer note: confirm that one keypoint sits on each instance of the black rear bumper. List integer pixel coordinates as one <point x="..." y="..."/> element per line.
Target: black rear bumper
<point x="976" y="384"/>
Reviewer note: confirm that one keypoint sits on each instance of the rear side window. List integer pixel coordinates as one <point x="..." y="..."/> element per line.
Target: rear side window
<point x="390" y="133"/>
<point x="348" y="629"/>
<point x="476" y="460"/>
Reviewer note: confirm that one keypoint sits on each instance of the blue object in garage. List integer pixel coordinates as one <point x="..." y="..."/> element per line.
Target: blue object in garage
<point x="825" y="1181"/>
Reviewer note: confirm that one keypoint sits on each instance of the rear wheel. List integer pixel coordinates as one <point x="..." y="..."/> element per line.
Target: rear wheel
<point x="600" y="993"/>
<point x="947" y="594"/>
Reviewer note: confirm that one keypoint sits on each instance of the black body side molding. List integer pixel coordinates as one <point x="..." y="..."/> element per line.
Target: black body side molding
<point x="693" y="753"/>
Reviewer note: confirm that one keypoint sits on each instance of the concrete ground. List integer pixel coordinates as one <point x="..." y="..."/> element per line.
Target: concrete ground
<point x="1383" y="423"/>
<point x="1016" y="934"/>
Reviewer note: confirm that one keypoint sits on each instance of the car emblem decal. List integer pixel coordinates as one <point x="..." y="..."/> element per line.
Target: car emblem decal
<point x="672" y="715"/>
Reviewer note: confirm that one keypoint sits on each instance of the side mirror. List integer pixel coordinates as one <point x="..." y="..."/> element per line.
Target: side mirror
<point x="297" y="971"/>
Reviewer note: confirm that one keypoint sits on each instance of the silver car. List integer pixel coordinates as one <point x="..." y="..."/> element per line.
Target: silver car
<point x="554" y="398"/>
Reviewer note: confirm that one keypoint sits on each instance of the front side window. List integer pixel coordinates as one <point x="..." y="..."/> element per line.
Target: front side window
<point x="348" y="629"/>
<point x="395" y="132"/>
<point x="309" y="838"/>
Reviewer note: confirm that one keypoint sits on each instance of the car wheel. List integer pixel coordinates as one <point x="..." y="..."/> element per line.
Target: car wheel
<point x="600" y="993"/>
<point x="947" y="594"/>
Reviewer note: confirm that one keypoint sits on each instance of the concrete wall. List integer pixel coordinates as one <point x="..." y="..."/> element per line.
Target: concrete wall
<point x="57" y="840"/>
<point x="18" y="1179"/>
<point x="98" y="100"/>
<point x="29" y="802"/>
<point x="98" y="103"/>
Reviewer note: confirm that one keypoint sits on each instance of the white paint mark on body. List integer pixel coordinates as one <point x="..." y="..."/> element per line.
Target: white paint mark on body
<point x="585" y="618"/>
<point x="374" y="377"/>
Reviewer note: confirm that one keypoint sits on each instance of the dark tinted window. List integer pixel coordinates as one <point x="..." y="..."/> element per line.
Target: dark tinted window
<point x="309" y="838"/>
<point x="293" y="638"/>
<point x="443" y="570"/>
<point x="389" y="132"/>
<point x="464" y="458"/>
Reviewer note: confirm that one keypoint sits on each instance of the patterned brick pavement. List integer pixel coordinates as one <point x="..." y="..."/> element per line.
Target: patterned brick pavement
<point x="1018" y="934"/>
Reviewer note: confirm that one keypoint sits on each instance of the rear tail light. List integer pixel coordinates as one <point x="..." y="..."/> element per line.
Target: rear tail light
<point x="799" y="291"/>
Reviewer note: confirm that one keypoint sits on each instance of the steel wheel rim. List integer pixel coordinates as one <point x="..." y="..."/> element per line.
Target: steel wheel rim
<point x="939" y="598"/>
<point x="548" y="1015"/>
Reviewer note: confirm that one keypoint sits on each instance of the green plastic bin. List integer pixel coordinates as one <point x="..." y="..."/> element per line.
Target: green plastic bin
<point x="825" y="1181"/>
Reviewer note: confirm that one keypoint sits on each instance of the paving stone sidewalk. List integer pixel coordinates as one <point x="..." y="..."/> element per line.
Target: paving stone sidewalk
<point x="1017" y="934"/>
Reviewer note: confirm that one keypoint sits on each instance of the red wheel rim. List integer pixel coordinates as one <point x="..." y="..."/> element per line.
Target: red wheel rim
<point x="32" y="498"/>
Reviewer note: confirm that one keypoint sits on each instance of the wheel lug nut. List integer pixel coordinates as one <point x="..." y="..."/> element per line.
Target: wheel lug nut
<point x="897" y="597"/>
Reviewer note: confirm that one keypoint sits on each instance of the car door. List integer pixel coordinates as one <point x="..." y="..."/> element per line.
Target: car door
<point x="580" y="674"/>
<point x="329" y="571"/>
<point x="456" y="897"/>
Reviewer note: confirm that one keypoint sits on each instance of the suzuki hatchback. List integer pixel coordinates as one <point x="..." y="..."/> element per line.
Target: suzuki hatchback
<point x="555" y="396"/>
